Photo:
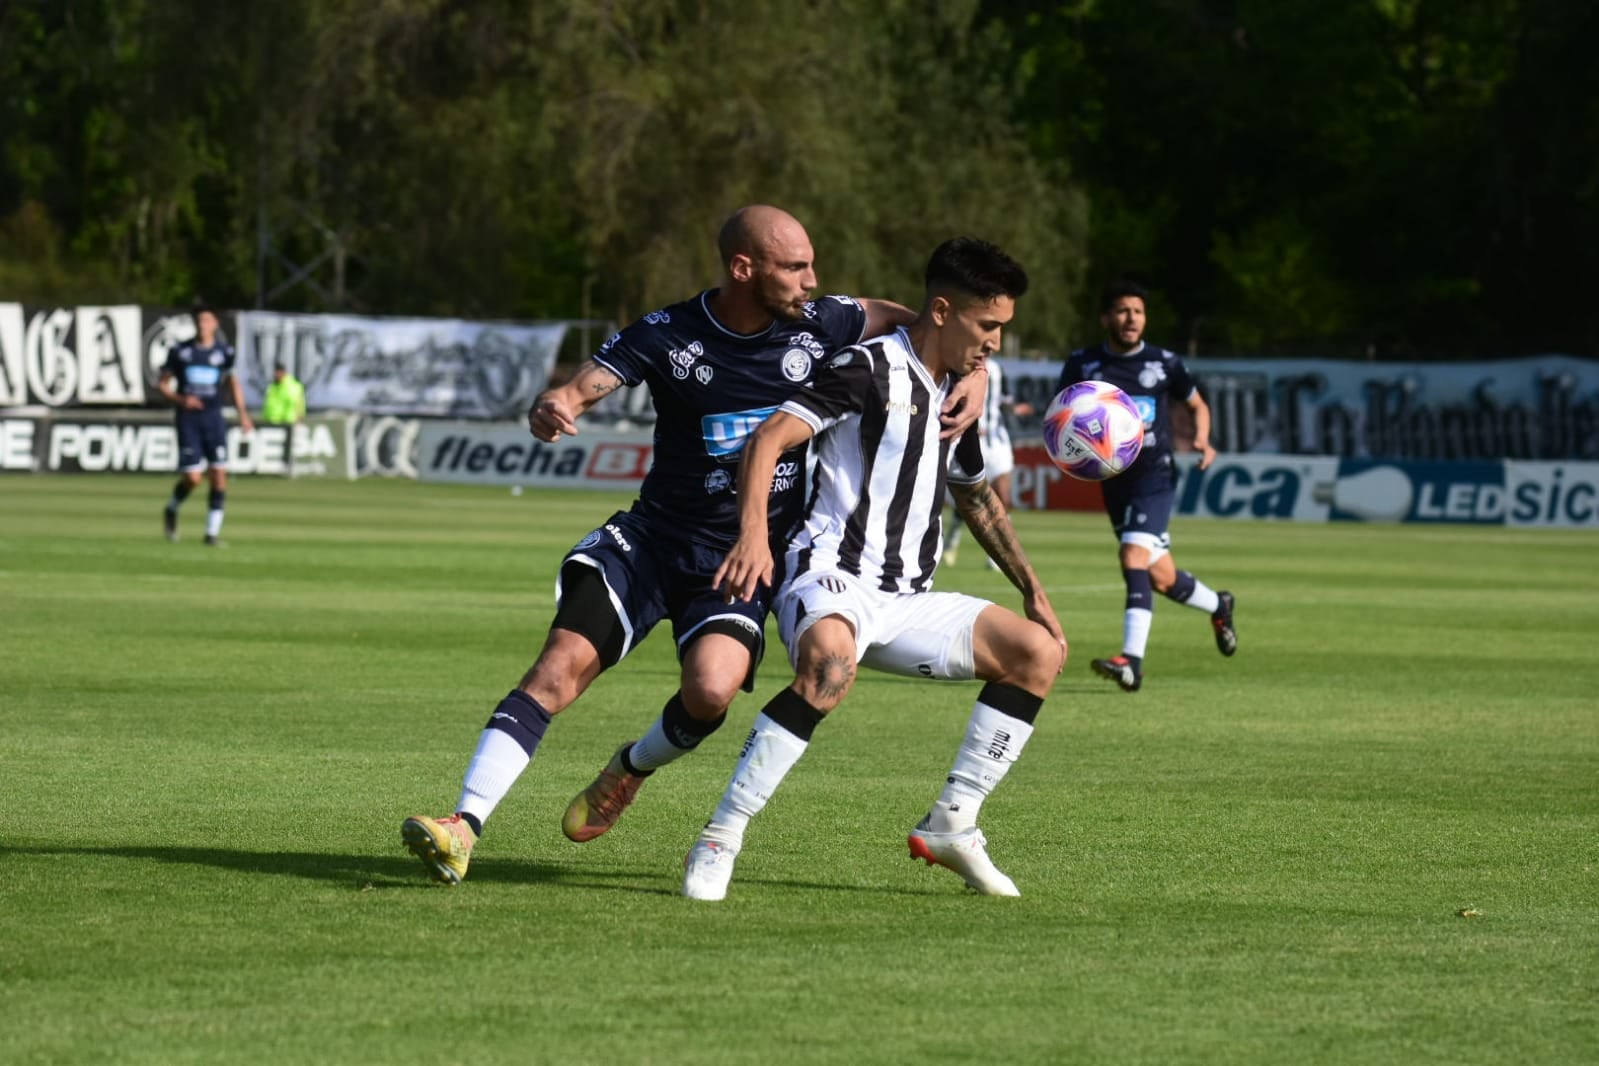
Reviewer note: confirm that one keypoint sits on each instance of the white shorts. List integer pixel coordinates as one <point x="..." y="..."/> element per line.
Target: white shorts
<point x="1158" y="544"/>
<point x="914" y="634"/>
<point x="998" y="459"/>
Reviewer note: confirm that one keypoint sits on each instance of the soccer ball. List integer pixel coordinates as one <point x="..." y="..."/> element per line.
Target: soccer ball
<point x="1093" y="431"/>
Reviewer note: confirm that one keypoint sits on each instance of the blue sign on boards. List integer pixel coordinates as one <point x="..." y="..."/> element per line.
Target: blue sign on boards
<point x="1372" y="490"/>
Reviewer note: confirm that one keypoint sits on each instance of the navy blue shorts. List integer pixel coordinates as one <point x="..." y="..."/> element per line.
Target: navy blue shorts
<point x="651" y="573"/>
<point x="1140" y="508"/>
<point x="202" y="439"/>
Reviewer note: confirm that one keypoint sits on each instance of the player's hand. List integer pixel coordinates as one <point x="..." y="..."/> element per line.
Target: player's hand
<point x="192" y="403"/>
<point x="548" y="418"/>
<point x="1207" y="454"/>
<point x="245" y="423"/>
<point x="965" y="404"/>
<point x="1038" y="608"/>
<point x="747" y="567"/>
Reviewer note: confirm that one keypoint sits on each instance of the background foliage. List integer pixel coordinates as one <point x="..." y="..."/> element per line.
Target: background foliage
<point x="1374" y="177"/>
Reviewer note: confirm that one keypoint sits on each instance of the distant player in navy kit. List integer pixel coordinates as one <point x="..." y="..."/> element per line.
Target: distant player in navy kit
<point x="192" y="380"/>
<point x="860" y="571"/>
<point x="716" y="365"/>
<point x="1139" y="501"/>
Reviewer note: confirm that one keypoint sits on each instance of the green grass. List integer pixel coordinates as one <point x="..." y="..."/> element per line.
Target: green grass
<point x="205" y="756"/>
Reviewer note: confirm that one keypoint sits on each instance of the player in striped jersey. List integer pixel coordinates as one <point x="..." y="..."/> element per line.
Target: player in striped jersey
<point x="860" y="570"/>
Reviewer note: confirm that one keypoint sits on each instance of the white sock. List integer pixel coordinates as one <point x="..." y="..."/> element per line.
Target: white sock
<point x="769" y="754"/>
<point x="1203" y="598"/>
<point x="654" y="750"/>
<point x="994" y="740"/>
<point x="213" y="522"/>
<point x="495" y="766"/>
<point x="1135" y="630"/>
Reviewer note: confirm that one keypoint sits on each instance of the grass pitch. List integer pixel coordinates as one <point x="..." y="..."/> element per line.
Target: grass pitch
<point x="205" y="757"/>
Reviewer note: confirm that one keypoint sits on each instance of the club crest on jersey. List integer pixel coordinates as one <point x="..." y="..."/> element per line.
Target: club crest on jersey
<point x="796" y="364"/>
<point x="682" y="359"/>
<point x="1152" y="374"/>
<point x="716" y="481"/>
<point x="702" y="373"/>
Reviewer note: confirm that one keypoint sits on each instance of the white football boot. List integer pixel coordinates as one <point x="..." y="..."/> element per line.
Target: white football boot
<point x="964" y="852"/>
<point x="707" y="868"/>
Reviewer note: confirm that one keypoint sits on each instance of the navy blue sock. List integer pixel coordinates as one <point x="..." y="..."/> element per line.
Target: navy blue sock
<point x="520" y="717"/>
<point x="1139" y="594"/>
<point x="217" y="499"/>
<point x="1181" y="588"/>
<point x="180" y="492"/>
<point x="683" y="729"/>
<point x="471" y="820"/>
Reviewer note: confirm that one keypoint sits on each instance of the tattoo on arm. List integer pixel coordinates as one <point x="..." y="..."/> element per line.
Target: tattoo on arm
<point x="603" y="386"/>
<point x="990" y="524"/>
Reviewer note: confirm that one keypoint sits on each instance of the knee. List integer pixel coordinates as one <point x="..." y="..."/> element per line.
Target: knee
<point x="1040" y="661"/>
<point x="823" y="680"/>
<point x="709" y="698"/>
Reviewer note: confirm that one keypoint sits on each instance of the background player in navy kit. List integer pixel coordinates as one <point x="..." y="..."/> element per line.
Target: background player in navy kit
<point x="716" y="365"/>
<point x="192" y="379"/>
<point x="859" y="574"/>
<point x="1139" y="501"/>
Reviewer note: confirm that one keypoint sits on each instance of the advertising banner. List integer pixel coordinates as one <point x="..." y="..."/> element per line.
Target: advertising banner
<point x="477" y="454"/>
<point x="136" y="442"/>
<point x="436" y="367"/>
<point x="70" y="356"/>
<point x="1537" y="408"/>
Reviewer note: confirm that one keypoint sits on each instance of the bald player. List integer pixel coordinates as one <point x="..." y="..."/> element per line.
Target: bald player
<point x="716" y="366"/>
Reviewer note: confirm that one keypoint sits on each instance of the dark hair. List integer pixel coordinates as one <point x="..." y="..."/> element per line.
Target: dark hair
<point x="1115" y="290"/>
<point x="200" y="307"/>
<point x="974" y="268"/>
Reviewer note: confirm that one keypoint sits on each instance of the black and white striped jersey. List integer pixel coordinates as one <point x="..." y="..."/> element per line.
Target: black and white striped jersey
<point x="876" y="509"/>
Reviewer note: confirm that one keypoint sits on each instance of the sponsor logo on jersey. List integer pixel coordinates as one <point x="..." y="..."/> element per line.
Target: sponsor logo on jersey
<point x="656" y="318"/>
<point x="785" y="476"/>
<point x="725" y="433"/>
<point x="843" y="358"/>
<point x="847" y="301"/>
<point x="1146" y="409"/>
<point x="902" y="407"/>
<point x="610" y="342"/>
<point x="616" y="535"/>
<point x="682" y="359"/>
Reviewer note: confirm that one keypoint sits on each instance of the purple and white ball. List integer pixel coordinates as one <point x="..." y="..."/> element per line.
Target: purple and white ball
<point x="1093" y="431"/>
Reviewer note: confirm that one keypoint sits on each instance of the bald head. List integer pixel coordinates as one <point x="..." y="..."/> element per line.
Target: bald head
<point x="755" y="230"/>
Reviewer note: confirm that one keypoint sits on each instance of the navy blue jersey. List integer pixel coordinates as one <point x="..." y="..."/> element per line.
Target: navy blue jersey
<point x="1152" y="377"/>
<point x="200" y="371"/>
<point x="712" y="387"/>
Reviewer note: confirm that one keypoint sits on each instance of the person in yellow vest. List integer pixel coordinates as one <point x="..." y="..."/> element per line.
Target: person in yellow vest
<point x="285" y="399"/>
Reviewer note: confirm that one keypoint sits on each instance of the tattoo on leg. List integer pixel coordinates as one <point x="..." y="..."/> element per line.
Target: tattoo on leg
<point x="833" y="676"/>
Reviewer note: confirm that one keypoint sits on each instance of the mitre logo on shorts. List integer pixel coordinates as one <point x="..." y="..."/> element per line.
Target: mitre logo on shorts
<point x="796" y="364"/>
<point x="682" y="359"/>
<point x="717" y="481"/>
<point x="1152" y="374"/>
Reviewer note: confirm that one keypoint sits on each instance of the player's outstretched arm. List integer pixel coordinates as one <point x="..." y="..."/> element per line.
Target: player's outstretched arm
<point x="556" y="410"/>
<point x="1202" y="445"/>
<point x="238" y="404"/>
<point x="883" y="316"/>
<point x="965" y="404"/>
<point x="985" y="514"/>
<point x="749" y="564"/>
